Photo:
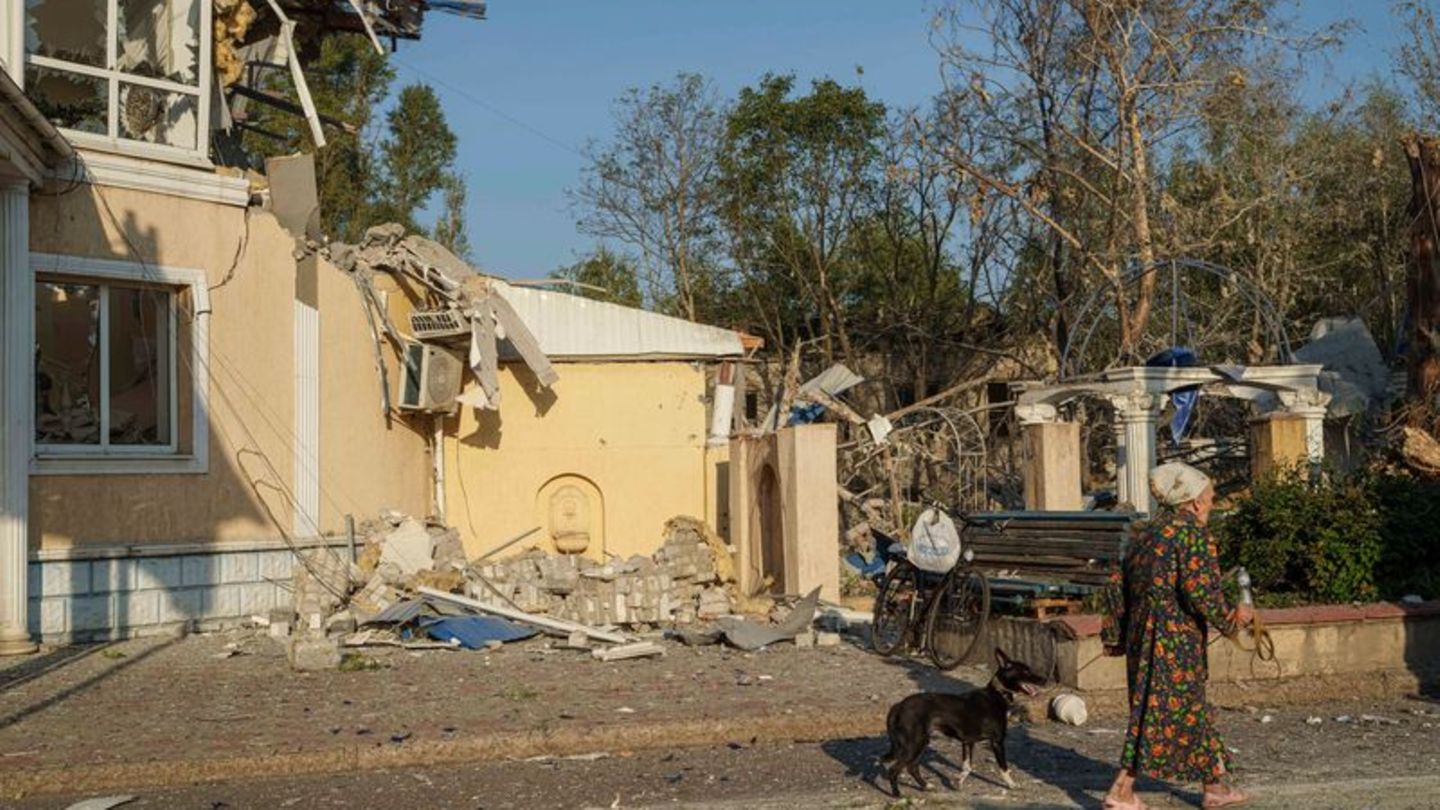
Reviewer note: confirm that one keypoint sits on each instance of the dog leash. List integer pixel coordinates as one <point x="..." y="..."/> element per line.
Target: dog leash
<point x="1262" y="647"/>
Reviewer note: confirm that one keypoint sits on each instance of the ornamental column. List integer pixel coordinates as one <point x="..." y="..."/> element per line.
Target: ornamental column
<point x="17" y="381"/>
<point x="1135" y="417"/>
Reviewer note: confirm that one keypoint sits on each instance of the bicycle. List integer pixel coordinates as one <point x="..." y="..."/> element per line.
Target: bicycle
<point x="942" y="614"/>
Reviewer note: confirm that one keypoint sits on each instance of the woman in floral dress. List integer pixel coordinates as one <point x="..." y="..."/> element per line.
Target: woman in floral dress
<point x="1160" y="608"/>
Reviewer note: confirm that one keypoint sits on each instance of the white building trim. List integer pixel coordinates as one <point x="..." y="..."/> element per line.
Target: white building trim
<point x="193" y="182"/>
<point x="197" y="461"/>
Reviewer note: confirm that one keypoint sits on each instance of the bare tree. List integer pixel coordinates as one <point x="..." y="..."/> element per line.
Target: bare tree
<point x="1081" y="102"/>
<point x="653" y="189"/>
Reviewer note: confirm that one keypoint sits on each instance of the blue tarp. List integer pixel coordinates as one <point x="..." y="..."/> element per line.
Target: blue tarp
<point x="1184" y="399"/>
<point x="474" y="632"/>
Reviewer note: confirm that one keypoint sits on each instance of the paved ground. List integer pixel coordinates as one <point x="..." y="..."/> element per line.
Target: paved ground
<point x="433" y="729"/>
<point x="1285" y="762"/>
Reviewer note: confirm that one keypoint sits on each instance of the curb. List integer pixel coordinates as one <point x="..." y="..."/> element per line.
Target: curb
<point x="482" y="748"/>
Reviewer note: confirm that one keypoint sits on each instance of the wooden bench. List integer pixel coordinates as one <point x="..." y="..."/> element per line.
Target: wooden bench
<point x="1074" y="547"/>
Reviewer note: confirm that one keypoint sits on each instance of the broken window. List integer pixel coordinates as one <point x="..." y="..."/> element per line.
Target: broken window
<point x="104" y="367"/>
<point x="127" y="70"/>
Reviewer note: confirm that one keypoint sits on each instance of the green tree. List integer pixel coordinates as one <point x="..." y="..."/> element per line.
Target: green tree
<point x="796" y="173"/>
<point x="348" y="81"/>
<point x="653" y="189"/>
<point x="417" y="157"/>
<point x="605" y="276"/>
<point x="450" y="225"/>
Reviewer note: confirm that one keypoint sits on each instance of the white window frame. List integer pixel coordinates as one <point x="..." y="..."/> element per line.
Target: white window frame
<point x="103" y="458"/>
<point x="202" y="90"/>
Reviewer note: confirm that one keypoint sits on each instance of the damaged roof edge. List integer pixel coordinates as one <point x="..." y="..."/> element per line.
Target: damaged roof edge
<point x="49" y="146"/>
<point x="572" y="327"/>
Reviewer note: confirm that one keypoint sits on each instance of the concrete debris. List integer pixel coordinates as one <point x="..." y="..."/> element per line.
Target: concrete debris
<point x="410" y="547"/>
<point x="641" y="649"/>
<point x="313" y="653"/>
<point x="748" y="635"/>
<point x="101" y="803"/>
<point x="410" y="579"/>
<point x="670" y="587"/>
<point x="472" y="314"/>
<point x="1355" y="374"/>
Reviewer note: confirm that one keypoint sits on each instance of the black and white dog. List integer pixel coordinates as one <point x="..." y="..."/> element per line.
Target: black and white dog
<point x="979" y="716"/>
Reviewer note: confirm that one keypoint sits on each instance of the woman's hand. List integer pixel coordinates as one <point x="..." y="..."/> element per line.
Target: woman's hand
<point x="1243" y="615"/>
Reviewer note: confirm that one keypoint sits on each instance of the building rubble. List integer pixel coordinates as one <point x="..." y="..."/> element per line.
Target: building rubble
<point x="410" y="585"/>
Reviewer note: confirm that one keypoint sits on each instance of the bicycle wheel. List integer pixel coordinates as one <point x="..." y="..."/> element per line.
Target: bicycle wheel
<point x="957" y="618"/>
<point x="890" y="624"/>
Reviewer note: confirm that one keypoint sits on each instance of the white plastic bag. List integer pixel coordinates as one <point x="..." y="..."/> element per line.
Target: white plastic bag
<point x="934" y="542"/>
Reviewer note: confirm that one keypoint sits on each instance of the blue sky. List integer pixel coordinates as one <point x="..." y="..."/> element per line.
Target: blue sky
<point x="526" y="88"/>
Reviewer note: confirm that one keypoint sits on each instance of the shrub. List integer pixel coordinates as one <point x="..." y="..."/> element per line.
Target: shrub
<point x="1306" y="539"/>
<point x="1410" y="511"/>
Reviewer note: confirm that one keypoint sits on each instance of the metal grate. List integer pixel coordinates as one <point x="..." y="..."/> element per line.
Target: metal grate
<point x="438" y="324"/>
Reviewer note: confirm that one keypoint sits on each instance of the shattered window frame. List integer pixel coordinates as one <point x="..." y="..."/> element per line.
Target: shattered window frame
<point x="167" y="412"/>
<point x="163" y="94"/>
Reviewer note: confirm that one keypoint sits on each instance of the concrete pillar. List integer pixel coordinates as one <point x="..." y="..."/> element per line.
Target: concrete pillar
<point x="1135" y="417"/>
<point x="1311" y="407"/>
<point x="1051" y="460"/>
<point x="810" y="508"/>
<point x="17" y="345"/>
<point x="1052" y="466"/>
<point x="1277" y="442"/>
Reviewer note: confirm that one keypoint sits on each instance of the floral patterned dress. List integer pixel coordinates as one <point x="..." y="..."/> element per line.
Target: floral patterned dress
<point x="1160" y="605"/>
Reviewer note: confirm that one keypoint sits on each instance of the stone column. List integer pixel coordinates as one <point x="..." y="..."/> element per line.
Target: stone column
<point x="1052" y="459"/>
<point x="17" y="344"/>
<point x="1310" y="405"/>
<point x="1135" y="417"/>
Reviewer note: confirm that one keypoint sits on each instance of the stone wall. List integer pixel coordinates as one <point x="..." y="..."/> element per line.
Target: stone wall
<point x="1312" y="641"/>
<point x="97" y="597"/>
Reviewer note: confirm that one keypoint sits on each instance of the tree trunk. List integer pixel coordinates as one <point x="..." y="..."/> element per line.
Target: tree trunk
<point x="1423" y="274"/>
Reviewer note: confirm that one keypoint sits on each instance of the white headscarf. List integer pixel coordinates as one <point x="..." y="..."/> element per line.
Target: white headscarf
<point x="1175" y="483"/>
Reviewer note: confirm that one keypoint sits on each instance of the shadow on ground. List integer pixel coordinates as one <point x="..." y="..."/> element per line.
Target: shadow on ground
<point x="60" y="660"/>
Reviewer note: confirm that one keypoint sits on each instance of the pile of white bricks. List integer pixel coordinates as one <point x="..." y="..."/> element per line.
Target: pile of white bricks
<point x="676" y="586"/>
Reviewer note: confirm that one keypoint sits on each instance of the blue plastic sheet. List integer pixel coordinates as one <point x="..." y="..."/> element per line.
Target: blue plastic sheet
<point x="1183" y="399"/>
<point x="474" y="632"/>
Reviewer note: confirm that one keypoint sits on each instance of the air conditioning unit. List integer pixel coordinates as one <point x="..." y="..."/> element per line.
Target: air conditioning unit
<point x="433" y="324"/>
<point x="431" y="379"/>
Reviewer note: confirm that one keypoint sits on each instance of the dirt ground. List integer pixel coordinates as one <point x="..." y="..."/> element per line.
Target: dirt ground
<point x="227" y="696"/>
<point x="1285" y="763"/>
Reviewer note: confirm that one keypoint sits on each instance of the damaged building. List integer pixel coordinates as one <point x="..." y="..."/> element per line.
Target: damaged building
<point x="199" y="389"/>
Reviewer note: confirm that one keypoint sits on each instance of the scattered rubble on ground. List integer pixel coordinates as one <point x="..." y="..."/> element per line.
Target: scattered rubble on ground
<point x="412" y="586"/>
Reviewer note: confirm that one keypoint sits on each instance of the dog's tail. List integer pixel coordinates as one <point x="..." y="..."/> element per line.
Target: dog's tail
<point x="889" y="755"/>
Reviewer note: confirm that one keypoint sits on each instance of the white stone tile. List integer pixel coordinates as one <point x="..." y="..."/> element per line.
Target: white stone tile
<point x="137" y="608"/>
<point x="64" y="578"/>
<point x="54" y="615"/>
<point x="199" y="569"/>
<point x="158" y="572"/>
<point x="258" y="597"/>
<point x="180" y="606"/>
<point x="242" y="566"/>
<point x="91" y="613"/>
<point x="221" y="601"/>
<point x="277" y="565"/>
<point x="113" y="575"/>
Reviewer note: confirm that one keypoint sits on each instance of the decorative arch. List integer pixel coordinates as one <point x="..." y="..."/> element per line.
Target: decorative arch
<point x="570" y="509"/>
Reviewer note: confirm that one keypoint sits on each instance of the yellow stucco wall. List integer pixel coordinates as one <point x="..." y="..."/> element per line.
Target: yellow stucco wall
<point x="365" y="464"/>
<point x="634" y="431"/>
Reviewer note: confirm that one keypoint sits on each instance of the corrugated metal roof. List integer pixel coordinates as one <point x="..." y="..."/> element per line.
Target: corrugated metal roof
<point x="569" y="326"/>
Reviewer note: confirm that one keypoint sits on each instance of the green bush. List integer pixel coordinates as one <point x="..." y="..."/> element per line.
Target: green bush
<point x="1306" y="539"/>
<point x="1410" y="511"/>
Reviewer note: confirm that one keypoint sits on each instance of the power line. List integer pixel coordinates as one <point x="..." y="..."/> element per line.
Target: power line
<point x="488" y="107"/>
